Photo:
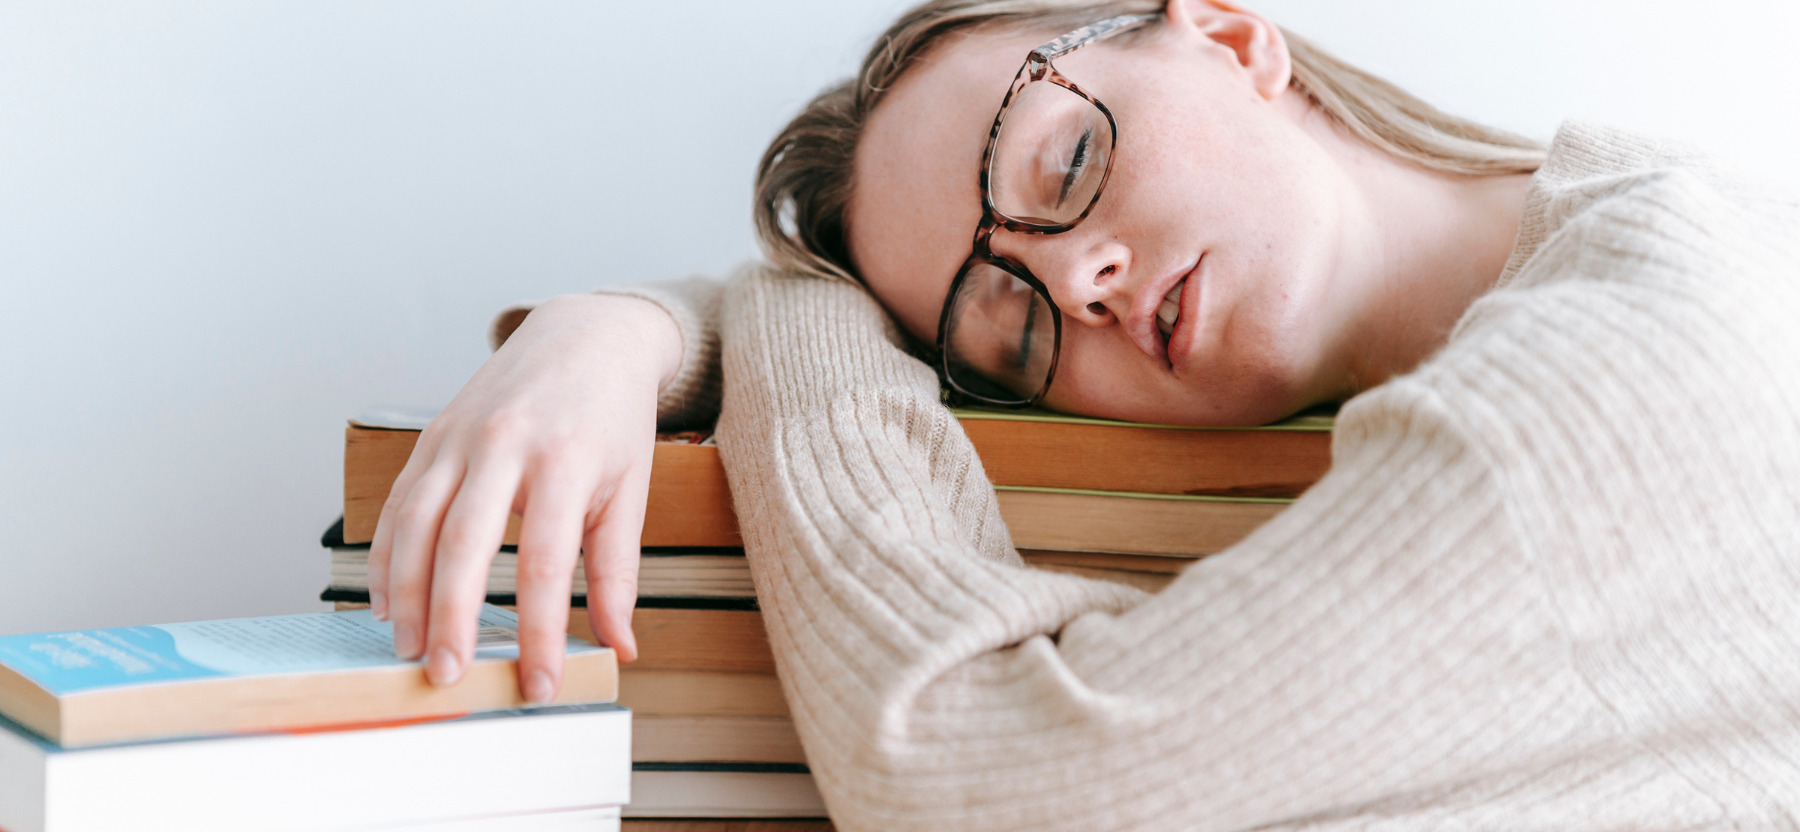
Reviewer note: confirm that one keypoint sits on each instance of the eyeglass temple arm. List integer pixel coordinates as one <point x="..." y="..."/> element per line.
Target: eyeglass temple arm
<point x="1092" y="34"/>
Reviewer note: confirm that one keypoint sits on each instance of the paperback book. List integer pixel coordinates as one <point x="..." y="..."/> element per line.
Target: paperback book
<point x="549" y="768"/>
<point x="87" y="687"/>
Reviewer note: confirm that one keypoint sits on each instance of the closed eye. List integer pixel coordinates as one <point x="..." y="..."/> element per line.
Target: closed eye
<point x="1024" y="358"/>
<point x="1077" y="165"/>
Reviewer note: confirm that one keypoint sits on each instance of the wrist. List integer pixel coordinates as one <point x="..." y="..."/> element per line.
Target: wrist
<point x="630" y="326"/>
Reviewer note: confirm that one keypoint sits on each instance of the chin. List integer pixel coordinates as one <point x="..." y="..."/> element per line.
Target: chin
<point x="1269" y="395"/>
<point x="1241" y="387"/>
<point x="1265" y="401"/>
<point x="1246" y="399"/>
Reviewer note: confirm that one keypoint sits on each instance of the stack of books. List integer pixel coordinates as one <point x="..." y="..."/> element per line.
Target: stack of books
<point x="713" y="738"/>
<point x="299" y="722"/>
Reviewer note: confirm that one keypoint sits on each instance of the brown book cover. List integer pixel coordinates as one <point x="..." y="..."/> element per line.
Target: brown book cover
<point x="689" y="503"/>
<point x="1040" y="449"/>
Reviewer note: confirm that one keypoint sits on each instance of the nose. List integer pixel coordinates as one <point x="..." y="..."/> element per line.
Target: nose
<point x="1084" y="273"/>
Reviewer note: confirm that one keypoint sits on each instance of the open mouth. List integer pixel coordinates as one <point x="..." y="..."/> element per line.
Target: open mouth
<point x="1170" y="312"/>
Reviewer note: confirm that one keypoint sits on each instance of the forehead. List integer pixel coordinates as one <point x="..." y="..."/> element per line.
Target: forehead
<point x="915" y="193"/>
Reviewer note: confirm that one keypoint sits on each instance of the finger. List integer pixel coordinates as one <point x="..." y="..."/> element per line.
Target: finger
<point x="474" y="526"/>
<point x="610" y="552"/>
<point x="416" y="524"/>
<point x="381" y="547"/>
<point x="549" y="543"/>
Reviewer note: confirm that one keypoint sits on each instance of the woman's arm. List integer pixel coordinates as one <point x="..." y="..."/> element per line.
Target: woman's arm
<point x="1381" y="633"/>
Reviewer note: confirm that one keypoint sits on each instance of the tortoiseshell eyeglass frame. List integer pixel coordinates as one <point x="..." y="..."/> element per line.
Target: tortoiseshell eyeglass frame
<point x="1037" y="68"/>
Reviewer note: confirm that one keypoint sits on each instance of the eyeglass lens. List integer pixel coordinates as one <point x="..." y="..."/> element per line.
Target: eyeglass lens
<point x="1002" y="336"/>
<point x="1050" y="155"/>
<point x="1048" y="162"/>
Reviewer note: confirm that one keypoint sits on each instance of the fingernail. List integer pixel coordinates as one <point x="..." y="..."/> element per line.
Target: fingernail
<point x="443" y="669"/>
<point x="406" y="645"/>
<point x="539" y="690"/>
<point x="378" y="605"/>
<point x="627" y="647"/>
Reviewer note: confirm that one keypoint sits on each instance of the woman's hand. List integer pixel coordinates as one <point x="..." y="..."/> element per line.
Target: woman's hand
<point x="558" y="427"/>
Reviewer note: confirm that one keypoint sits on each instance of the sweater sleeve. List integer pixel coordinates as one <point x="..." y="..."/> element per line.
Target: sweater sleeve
<point x="691" y="399"/>
<point x="1364" y="652"/>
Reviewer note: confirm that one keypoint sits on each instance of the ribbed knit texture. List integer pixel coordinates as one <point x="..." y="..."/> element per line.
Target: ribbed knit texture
<point x="1552" y="579"/>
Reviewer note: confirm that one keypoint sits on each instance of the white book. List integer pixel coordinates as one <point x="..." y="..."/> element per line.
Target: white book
<point x="442" y="772"/>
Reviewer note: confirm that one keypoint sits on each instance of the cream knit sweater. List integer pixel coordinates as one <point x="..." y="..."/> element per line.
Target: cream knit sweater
<point x="1551" y="581"/>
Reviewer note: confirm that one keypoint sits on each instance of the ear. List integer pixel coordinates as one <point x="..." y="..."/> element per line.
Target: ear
<point x="1261" y="50"/>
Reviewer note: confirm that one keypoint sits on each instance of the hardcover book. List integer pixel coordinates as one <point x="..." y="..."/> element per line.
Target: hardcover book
<point x="724" y="790"/>
<point x="1065" y="483"/>
<point x="723" y="575"/>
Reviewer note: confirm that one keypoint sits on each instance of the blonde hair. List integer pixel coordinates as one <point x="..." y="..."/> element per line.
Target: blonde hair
<point x="803" y="183"/>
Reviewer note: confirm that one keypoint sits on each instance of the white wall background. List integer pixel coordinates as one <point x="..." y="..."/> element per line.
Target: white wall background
<point x="226" y="226"/>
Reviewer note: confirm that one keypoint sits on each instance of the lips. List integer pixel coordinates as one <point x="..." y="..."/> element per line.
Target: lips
<point x="1160" y="322"/>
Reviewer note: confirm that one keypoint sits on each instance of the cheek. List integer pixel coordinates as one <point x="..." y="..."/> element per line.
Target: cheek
<point x="1268" y="313"/>
<point x="1261" y="339"/>
<point x="1257" y="189"/>
<point x="914" y="303"/>
<point x="1257" y="196"/>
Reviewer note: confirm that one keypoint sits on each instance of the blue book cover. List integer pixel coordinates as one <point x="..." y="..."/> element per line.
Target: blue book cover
<point x="84" y="660"/>
<point x="83" y="687"/>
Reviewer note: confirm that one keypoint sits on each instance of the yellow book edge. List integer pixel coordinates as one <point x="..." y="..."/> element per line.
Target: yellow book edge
<point x="1319" y="420"/>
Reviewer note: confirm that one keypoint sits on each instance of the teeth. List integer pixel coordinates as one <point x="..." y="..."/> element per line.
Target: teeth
<point x="1169" y="311"/>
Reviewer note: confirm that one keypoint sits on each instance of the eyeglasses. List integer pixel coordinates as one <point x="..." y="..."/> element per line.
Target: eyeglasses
<point x="1047" y="157"/>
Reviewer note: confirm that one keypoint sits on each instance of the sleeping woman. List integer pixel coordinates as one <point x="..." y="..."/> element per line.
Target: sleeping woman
<point x="1551" y="579"/>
